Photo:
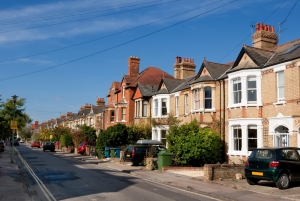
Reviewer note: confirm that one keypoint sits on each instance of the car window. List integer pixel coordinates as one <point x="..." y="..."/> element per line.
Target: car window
<point x="298" y="150"/>
<point x="289" y="154"/>
<point x="264" y="154"/>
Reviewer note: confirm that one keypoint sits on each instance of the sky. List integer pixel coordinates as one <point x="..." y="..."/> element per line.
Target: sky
<point x="61" y="54"/>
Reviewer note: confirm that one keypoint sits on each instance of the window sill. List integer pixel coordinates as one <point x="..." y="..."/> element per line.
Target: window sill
<point x="203" y="110"/>
<point x="244" y="105"/>
<point x="239" y="153"/>
<point x="279" y="103"/>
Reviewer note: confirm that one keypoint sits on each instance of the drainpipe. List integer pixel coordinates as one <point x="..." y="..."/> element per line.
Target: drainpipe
<point x="223" y="123"/>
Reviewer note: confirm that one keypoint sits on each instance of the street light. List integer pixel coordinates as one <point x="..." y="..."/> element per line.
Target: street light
<point x="13" y="131"/>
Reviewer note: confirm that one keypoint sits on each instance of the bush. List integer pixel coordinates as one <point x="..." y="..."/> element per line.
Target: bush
<point x="66" y="140"/>
<point x="193" y="145"/>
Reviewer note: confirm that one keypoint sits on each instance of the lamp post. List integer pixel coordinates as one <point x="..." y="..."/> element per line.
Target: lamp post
<point x="13" y="130"/>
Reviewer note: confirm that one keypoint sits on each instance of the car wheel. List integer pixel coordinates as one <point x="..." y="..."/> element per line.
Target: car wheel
<point x="283" y="181"/>
<point x="44" y="149"/>
<point x="252" y="181"/>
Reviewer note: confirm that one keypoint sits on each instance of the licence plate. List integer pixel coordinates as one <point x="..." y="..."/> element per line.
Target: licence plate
<point x="258" y="173"/>
<point x="128" y="155"/>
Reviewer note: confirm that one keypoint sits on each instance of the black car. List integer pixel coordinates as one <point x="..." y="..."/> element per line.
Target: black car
<point x="278" y="164"/>
<point x="137" y="153"/>
<point x="16" y="142"/>
<point x="49" y="146"/>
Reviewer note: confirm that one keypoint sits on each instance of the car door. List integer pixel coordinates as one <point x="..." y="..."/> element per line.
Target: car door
<point x="291" y="162"/>
<point x="298" y="164"/>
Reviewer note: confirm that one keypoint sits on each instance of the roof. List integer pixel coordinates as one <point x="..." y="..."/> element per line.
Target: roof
<point x="170" y="84"/>
<point x="150" y="76"/>
<point x="185" y="84"/>
<point x="147" y="90"/>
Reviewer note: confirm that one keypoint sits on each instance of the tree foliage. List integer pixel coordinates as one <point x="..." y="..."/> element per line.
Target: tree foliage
<point x="77" y="137"/>
<point x="138" y="132"/>
<point x="66" y="140"/>
<point x="60" y="131"/>
<point x="9" y="110"/>
<point x="89" y="132"/>
<point x="193" y="145"/>
<point x="44" y="134"/>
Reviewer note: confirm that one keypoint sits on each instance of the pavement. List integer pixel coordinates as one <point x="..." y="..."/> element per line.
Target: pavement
<point x="12" y="188"/>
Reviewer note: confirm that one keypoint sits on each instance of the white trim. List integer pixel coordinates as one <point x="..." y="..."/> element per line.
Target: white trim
<point x="276" y="66"/>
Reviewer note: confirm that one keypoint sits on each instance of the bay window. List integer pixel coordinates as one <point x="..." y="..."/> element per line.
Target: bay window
<point x="251" y="89"/>
<point x="207" y="98"/>
<point x="237" y="90"/>
<point x="196" y="96"/>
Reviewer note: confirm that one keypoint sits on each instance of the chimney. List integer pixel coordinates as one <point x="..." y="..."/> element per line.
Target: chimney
<point x="264" y="37"/>
<point x="184" y="67"/>
<point x="133" y="66"/>
<point x="100" y="102"/>
<point x="36" y="123"/>
<point x="69" y="114"/>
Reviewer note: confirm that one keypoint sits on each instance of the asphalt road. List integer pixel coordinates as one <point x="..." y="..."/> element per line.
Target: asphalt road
<point x="49" y="176"/>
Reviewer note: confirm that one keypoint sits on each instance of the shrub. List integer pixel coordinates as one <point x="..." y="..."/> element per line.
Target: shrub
<point x="193" y="145"/>
<point x="66" y="140"/>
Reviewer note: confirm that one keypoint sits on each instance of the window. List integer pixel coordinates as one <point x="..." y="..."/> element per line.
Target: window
<point x="163" y="137"/>
<point x="177" y="105"/>
<point x="237" y="90"/>
<point x="112" y="116"/>
<point x="82" y="122"/>
<point x="123" y="113"/>
<point x="155" y="136"/>
<point x="137" y="109"/>
<point x="164" y="106"/>
<point x="144" y="109"/>
<point x="196" y="96"/>
<point x="186" y="105"/>
<point x="280" y="86"/>
<point x="237" y="138"/>
<point x="123" y="92"/>
<point x="252" y="137"/>
<point x="91" y="121"/>
<point x="251" y="90"/>
<point x="207" y="98"/>
<point x="156" y="107"/>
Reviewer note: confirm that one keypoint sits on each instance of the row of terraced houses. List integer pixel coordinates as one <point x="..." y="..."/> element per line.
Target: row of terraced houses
<point x="256" y="98"/>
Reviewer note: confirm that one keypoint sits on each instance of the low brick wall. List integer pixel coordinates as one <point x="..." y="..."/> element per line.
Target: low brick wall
<point x="165" y="168"/>
<point x="222" y="171"/>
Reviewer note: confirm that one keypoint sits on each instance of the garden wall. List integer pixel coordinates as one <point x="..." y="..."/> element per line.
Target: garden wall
<point x="223" y="171"/>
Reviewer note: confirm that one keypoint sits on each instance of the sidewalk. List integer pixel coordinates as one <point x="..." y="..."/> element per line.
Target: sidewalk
<point x="11" y="185"/>
<point x="223" y="190"/>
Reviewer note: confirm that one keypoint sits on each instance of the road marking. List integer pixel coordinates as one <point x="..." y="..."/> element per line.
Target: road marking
<point x="44" y="189"/>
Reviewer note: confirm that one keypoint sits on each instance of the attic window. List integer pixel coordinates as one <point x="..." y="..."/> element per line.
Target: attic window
<point x="291" y="49"/>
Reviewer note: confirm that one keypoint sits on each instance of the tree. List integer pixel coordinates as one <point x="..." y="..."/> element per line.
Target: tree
<point x="7" y="110"/>
<point x="25" y="133"/>
<point x="89" y="132"/>
<point x="77" y="137"/>
<point x="193" y="145"/>
<point x="59" y="131"/>
<point x="44" y="134"/>
<point x="138" y="132"/>
<point x="66" y="140"/>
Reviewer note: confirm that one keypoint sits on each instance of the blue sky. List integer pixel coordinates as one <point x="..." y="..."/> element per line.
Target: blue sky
<point x="63" y="80"/>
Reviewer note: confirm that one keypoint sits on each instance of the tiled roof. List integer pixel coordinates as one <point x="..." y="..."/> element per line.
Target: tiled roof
<point x="147" y="90"/>
<point x="185" y="84"/>
<point x="150" y="76"/>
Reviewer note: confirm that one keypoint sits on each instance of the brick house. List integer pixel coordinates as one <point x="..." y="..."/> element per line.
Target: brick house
<point x="263" y="95"/>
<point x="121" y="107"/>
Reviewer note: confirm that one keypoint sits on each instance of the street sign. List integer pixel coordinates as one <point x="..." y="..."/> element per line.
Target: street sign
<point x="13" y="124"/>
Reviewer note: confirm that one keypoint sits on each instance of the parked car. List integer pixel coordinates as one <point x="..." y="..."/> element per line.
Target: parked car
<point x="36" y="144"/>
<point x="2" y="145"/>
<point x="49" y="146"/>
<point x="82" y="146"/>
<point x="16" y="142"/>
<point x="57" y="144"/>
<point x="137" y="153"/>
<point x="280" y="165"/>
<point x="22" y="141"/>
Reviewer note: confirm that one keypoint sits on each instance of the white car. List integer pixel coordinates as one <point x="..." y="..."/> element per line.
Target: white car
<point x="22" y="141"/>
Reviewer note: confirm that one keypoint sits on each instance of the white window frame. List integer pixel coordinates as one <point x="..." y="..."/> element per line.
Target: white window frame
<point x="237" y="94"/>
<point x="280" y="97"/>
<point x="123" y="113"/>
<point x="196" y="98"/>
<point x="237" y="140"/>
<point x="177" y="106"/>
<point x="243" y="75"/>
<point x="137" y="108"/>
<point x="164" y="100"/>
<point x="208" y="98"/>
<point x="244" y="123"/>
<point x="155" y="106"/>
<point x="144" y="108"/>
<point x="251" y="78"/>
<point x="186" y="104"/>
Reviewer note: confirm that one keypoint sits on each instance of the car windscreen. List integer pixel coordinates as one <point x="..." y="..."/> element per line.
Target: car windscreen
<point x="262" y="154"/>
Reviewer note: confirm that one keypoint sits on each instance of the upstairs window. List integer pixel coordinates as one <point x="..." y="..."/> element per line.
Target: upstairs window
<point x="237" y="91"/>
<point x="112" y="116"/>
<point x="156" y="107"/>
<point x="177" y="105"/>
<point x="164" y="106"/>
<point x="186" y="105"/>
<point x="251" y="89"/>
<point x="207" y="98"/>
<point x="144" y="109"/>
<point x="137" y="109"/>
<point x="196" y="96"/>
<point x="123" y="113"/>
<point x="280" y="86"/>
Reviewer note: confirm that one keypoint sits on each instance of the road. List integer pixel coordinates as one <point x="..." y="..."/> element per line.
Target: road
<point x="50" y="176"/>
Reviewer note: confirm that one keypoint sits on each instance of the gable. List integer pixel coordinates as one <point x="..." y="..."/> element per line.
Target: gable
<point x="205" y="72"/>
<point x="137" y="94"/>
<point x="246" y="61"/>
<point x="163" y="86"/>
